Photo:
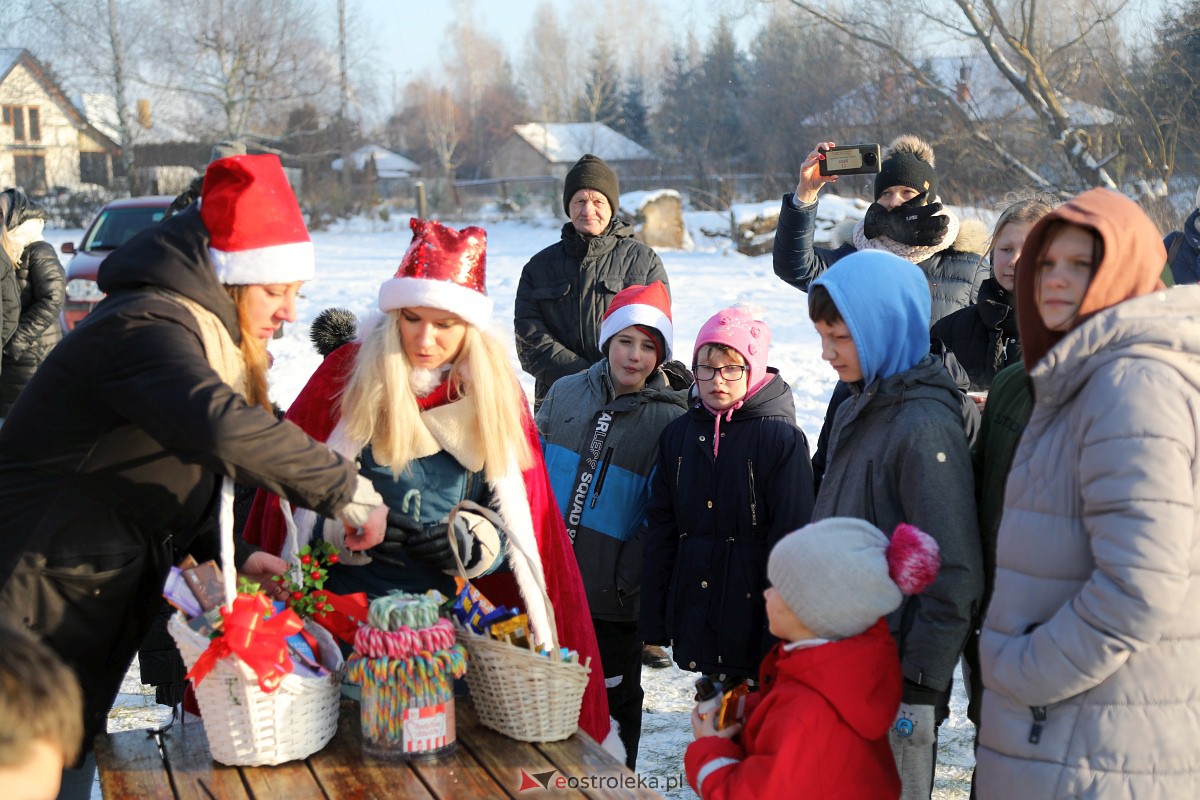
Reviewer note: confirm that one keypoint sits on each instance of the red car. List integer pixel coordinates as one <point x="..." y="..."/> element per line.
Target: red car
<point x="117" y="223"/>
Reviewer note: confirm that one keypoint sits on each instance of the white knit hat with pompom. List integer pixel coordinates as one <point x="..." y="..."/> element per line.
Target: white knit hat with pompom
<point x="840" y="575"/>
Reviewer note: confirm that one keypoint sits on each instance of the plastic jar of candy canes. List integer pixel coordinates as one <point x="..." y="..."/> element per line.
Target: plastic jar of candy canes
<point x="406" y="670"/>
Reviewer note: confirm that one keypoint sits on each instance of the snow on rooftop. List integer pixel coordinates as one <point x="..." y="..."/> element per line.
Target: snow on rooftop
<point x="100" y="110"/>
<point x="567" y="142"/>
<point x="387" y="163"/>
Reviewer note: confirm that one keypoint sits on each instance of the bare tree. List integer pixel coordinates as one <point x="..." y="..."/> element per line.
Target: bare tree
<point x="95" y="48"/>
<point x="548" y="81"/>
<point x="1025" y="41"/>
<point x="246" y="62"/>
<point x="475" y="63"/>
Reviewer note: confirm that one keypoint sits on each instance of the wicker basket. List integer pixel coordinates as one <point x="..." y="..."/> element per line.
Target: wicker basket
<point x="246" y="726"/>
<point x="526" y="696"/>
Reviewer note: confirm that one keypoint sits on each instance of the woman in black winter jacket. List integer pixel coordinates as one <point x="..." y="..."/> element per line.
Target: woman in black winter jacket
<point x="112" y="459"/>
<point x="41" y="285"/>
<point x="984" y="337"/>
<point x="906" y="220"/>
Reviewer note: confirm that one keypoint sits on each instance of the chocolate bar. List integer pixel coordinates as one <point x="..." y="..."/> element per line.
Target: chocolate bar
<point x="205" y="582"/>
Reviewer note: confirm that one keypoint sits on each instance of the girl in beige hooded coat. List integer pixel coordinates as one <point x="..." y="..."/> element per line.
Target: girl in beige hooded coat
<point x="1090" y="645"/>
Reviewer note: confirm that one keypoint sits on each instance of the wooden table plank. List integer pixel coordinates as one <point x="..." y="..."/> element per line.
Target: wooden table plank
<point x="604" y="777"/>
<point x="290" y="781"/>
<point x="344" y="772"/>
<point x="459" y="776"/>
<point x="193" y="772"/>
<point x="504" y="758"/>
<point x="486" y="765"/>
<point x="131" y="765"/>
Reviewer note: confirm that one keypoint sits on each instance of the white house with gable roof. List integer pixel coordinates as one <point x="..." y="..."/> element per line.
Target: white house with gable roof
<point x="45" y="140"/>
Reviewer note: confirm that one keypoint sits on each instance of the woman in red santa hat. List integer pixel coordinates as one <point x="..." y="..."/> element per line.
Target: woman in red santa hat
<point x="112" y="457"/>
<point x="428" y="402"/>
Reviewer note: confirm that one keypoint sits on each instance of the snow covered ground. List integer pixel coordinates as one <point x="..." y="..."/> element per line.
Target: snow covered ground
<point x="354" y="258"/>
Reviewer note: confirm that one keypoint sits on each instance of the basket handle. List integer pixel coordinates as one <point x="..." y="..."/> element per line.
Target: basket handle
<point x="470" y="505"/>
<point x="225" y="526"/>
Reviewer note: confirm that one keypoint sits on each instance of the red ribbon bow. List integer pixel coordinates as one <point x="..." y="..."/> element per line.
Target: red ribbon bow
<point x="257" y="639"/>
<point x="349" y="612"/>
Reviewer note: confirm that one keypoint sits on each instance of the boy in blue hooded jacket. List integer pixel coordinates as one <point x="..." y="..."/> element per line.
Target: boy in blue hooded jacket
<point x="897" y="453"/>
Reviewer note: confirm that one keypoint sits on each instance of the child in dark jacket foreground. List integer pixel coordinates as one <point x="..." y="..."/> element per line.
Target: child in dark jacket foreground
<point x="830" y="689"/>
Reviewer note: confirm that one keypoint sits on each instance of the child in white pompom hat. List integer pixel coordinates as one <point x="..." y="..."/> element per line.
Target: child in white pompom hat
<point x="830" y="690"/>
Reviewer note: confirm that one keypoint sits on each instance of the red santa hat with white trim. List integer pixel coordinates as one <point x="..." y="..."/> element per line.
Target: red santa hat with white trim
<point x="256" y="231"/>
<point x="443" y="268"/>
<point x="646" y="307"/>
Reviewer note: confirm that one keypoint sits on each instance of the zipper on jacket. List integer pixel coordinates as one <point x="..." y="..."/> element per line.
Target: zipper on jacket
<point x="1039" y="716"/>
<point x="753" y="495"/>
<point x="608" y="454"/>
<point x="678" y="466"/>
<point x="870" y="498"/>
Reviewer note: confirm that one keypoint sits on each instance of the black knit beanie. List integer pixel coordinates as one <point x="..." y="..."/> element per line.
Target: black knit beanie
<point x="590" y="172"/>
<point x="906" y="169"/>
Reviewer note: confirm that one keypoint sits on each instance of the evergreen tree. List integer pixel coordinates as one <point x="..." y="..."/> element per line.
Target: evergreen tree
<point x="632" y="119"/>
<point x="601" y="98"/>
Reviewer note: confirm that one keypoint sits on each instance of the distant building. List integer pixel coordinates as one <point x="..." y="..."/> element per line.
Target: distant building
<point x="167" y="156"/>
<point x="45" y="140"/>
<point x="539" y="149"/>
<point x="391" y="172"/>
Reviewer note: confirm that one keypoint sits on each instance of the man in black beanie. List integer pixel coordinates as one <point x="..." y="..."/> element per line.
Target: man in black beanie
<point x="566" y="288"/>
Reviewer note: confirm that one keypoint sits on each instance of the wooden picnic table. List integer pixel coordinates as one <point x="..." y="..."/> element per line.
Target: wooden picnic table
<point x="176" y="764"/>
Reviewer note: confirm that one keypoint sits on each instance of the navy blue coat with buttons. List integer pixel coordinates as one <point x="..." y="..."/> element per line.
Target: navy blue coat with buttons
<point x="712" y="524"/>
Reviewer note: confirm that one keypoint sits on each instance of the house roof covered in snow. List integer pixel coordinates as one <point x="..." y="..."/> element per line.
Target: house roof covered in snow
<point x="101" y="111"/>
<point x="387" y="163"/>
<point x="567" y="142"/>
<point x="988" y="96"/>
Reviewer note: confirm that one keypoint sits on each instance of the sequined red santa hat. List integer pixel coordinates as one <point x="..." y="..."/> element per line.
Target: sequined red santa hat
<point x="256" y="231"/>
<point x="443" y="268"/>
<point x="647" y="307"/>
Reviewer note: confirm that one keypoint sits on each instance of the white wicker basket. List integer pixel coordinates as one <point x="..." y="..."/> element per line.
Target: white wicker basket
<point x="526" y="696"/>
<point x="246" y="726"/>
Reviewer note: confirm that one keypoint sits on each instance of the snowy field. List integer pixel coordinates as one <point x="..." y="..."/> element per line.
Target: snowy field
<point x="352" y="261"/>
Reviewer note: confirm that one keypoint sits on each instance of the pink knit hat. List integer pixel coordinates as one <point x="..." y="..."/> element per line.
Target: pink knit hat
<point x="740" y="329"/>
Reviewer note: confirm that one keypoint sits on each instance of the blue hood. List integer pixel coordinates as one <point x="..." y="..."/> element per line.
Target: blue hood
<point x="885" y="302"/>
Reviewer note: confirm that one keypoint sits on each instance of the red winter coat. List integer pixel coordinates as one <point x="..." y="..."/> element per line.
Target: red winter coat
<point x="314" y="411"/>
<point x="818" y="729"/>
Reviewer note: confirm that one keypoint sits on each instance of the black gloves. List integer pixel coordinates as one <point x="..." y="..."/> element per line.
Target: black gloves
<point x="432" y="546"/>
<point x="922" y="226"/>
<point x="480" y="544"/>
<point x="427" y="543"/>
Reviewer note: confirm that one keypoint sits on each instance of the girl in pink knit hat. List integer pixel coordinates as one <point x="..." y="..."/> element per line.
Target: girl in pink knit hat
<point x="733" y="476"/>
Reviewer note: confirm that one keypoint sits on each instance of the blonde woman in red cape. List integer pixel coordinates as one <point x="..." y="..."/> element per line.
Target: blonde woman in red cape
<point x="428" y="402"/>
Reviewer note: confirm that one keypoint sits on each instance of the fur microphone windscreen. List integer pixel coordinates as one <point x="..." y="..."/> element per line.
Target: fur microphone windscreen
<point x="333" y="328"/>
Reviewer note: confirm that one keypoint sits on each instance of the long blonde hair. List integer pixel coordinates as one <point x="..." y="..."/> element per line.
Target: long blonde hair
<point x="254" y="354"/>
<point x="379" y="405"/>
